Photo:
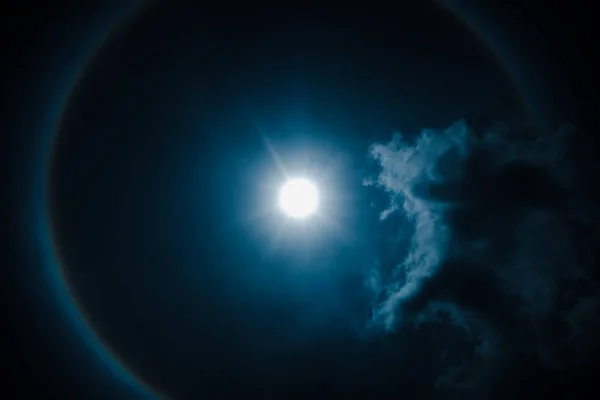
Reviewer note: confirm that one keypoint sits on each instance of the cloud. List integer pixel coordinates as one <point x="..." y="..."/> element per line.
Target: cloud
<point x="502" y="245"/>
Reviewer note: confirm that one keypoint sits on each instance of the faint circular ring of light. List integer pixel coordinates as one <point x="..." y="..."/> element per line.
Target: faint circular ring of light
<point x="500" y="53"/>
<point x="62" y="281"/>
<point x="116" y="363"/>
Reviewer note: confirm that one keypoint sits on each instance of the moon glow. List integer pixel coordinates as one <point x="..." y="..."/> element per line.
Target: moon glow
<point x="298" y="198"/>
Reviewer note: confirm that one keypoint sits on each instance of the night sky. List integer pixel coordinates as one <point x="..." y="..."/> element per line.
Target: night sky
<point x="454" y="251"/>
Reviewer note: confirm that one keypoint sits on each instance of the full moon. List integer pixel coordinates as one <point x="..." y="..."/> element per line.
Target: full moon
<point x="298" y="198"/>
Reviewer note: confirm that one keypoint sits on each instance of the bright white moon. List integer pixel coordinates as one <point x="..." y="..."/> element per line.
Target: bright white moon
<point x="298" y="198"/>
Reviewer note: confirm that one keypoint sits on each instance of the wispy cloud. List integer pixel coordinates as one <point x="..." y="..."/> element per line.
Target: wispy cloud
<point x="502" y="242"/>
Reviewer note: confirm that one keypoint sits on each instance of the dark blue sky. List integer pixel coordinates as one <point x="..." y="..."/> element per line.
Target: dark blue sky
<point x="454" y="251"/>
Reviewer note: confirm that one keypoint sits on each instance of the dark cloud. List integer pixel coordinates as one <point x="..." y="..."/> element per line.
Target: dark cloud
<point x="501" y="268"/>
